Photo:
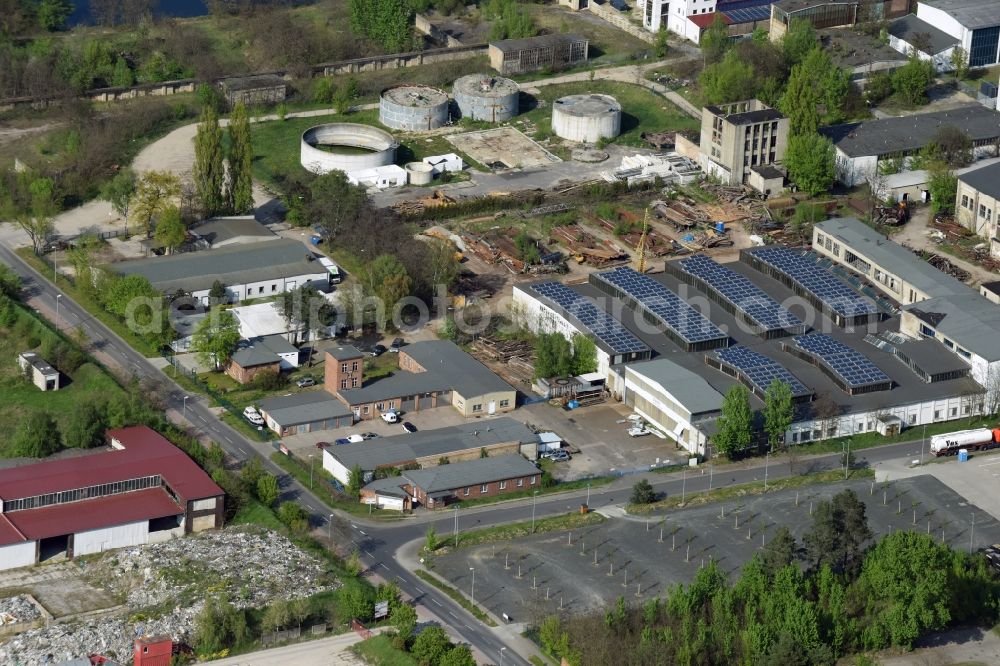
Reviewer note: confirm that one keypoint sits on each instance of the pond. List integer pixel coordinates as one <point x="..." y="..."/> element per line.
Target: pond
<point x="161" y="8"/>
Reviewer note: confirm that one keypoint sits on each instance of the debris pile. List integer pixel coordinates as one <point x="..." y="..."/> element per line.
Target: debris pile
<point x="585" y="247"/>
<point x="498" y="247"/>
<point x="18" y="609"/>
<point x="164" y="587"/>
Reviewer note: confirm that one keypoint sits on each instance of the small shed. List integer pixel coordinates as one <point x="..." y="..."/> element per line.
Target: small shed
<point x="261" y="89"/>
<point x="42" y="375"/>
<point x="446" y="162"/>
<point x="766" y="179"/>
<point x="888" y="425"/>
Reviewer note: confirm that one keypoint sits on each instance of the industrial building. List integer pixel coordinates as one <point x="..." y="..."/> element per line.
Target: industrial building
<point x="413" y="108"/>
<point x="427" y="448"/>
<point x="703" y="326"/>
<point x="38" y="370"/>
<point x="492" y="99"/>
<point x="246" y="271"/>
<point x="432" y="373"/>
<point x="973" y="23"/>
<point x="977" y="203"/>
<point x="912" y="35"/>
<point x="737" y="137"/>
<point x="309" y="411"/>
<point x="439" y="486"/>
<point x="554" y="52"/>
<point x="586" y="118"/>
<point x="219" y="232"/>
<point x="860" y="146"/>
<point x="269" y="353"/>
<point x="139" y="489"/>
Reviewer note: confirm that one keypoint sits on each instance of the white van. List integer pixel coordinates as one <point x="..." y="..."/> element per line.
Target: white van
<point x="391" y="416"/>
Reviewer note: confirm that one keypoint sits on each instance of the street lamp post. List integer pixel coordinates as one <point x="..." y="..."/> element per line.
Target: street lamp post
<point x="473" y="595"/>
<point x="847" y="456"/>
<point x="311" y="471"/>
<point x="185" y="408"/>
<point x="972" y="533"/>
<point x="329" y="524"/>
<point x="923" y="444"/>
<point x="534" y="498"/>
<point x="58" y="296"/>
<point x="588" y="495"/>
<point x="456" y="526"/>
<point x="501" y="655"/>
<point x="767" y="459"/>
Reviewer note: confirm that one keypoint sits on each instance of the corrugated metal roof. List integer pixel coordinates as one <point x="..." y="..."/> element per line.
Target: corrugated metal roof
<point x="689" y="389"/>
<point x="299" y="408"/>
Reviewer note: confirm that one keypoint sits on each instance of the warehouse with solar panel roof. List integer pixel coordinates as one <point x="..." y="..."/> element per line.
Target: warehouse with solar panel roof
<point x="671" y="342"/>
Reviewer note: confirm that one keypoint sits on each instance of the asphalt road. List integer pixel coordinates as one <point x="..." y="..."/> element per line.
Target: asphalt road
<point x="379" y="542"/>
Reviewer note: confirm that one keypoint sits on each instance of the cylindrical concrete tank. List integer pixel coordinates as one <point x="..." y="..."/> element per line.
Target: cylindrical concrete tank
<point x="419" y="173"/>
<point x="586" y="118"/>
<point x="346" y="147"/>
<point x="413" y="108"/>
<point x="486" y="97"/>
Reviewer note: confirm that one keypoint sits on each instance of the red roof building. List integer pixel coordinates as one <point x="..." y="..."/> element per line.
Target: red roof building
<point x="140" y="489"/>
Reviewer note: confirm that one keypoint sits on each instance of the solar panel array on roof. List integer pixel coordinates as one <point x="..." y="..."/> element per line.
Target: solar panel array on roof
<point x="601" y="324"/>
<point x="760" y="369"/>
<point x="831" y="291"/>
<point x="849" y="364"/>
<point x="663" y="304"/>
<point x="748" y="15"/>
<point x="742" y="294"/>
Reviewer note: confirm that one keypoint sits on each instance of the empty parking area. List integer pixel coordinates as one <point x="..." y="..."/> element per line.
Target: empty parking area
<point x="502" y="148"/>
<point x="638" y="558"/>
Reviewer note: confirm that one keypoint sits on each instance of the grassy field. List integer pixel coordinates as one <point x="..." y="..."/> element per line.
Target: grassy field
<point x="607" y="44"/>
<point x="867" y="440"/>
<point x="378" y="651"/>
<point x="744" y="489"/>
<point x="568" y="521"/>
<point x="642" y="110"/>
<point x="20" y="397"/>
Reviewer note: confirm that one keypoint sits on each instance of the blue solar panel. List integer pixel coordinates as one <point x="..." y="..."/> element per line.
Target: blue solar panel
<point x="741" y="293"/>
<point x="835" y="294"/>
<point x="748" y="15"/>
<point x="603" y="326"/>
<point x="664" y="305"/>
<point x="760" y="369"/>
<point x="849" y="364"/>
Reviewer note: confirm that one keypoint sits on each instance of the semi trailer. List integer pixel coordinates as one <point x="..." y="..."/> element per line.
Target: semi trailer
<point x="976" y="439"/>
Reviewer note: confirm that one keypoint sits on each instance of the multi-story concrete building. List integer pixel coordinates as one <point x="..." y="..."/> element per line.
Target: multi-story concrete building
<point x="738" y="136"/>
<point x="977" y="203"/>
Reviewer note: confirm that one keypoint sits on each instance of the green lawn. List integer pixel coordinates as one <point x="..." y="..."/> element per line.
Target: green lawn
<point x="378" y="651"/>
<point x="20" y="397"/>
<point x="608" y="45"/>
<point x="642" y="110"/>
<point x="254" y="513"/>
<point x="869" y="439"/>
<point x="507" y="532"/>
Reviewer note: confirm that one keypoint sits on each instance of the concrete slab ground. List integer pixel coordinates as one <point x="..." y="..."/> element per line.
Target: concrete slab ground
<point x="505" y="147"/>
<point x="601" y="437"/>
<point x="59" y="588"/>
<point x="561" y="565"/>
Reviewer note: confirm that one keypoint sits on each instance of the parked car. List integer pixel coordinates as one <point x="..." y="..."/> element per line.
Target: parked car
<point x="354" y="439"/>
<point x="306" y="382"/>
<point x="340" y="441"/>
<point x="638" y="431"/>
<point x="251" y="414"/>
<point x="369" y="435"/>
<point x="378" y="350"/>
<point x="396" y="344"/>
<point x="409" y="427"/>
<point x="557" y="456"/>
<point x="390" y="416"/>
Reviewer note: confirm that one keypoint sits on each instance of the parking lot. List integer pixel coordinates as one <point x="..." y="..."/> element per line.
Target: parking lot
<point x="639" y="558"/>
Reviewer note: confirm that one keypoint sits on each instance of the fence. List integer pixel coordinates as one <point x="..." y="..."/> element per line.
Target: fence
<point x="975" y="93"/>
<point x="280" y="636"/>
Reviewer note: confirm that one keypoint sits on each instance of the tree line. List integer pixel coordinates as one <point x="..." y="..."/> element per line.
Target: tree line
<point x="814" y="602"/>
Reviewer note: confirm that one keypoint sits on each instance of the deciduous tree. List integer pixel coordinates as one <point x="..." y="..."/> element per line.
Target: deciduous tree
<point x="36" y="436"/>
<point x="171" y="231"/>
<point x="778" y="412"/>
<point x="942" y="184"/>
<point x="733" y="432"/>
<point x="431" y="644"/>
<point x="267" y="489"/>
<point x="584" y="354"/>
<point x="912" y="80"/>
<point x="216" y="338"/>
<point x="85" y="424"/>
<point x="799" y="39"/>
<point x="642" y="493"/>
<point x="119" y="192"/>
<point x="810" y="162"/>
<point x="155" y="191"/>
<point x="715" y="41"/>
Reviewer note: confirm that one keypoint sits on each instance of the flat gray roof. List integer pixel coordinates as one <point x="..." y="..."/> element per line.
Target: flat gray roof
<point x="970" y="13"/>
<point x="859" y="236"/>
<point x="239" y="264"/>
<point x="887" y="136"/>
<point x="470" y="473"/>
<point x="447" y="368"/>
<point x="253" y="82"/>
<point x="344" y="352"/>
<point x="298" y="408"/>
<point x="221" y="229"/>
<point x="970" y="321"/>
<point x="984" y="179"/>
<point x="39" y="363"/>
<point x="931" y="356"/>
<point x="511" y="45"/>
<point x="907" y="27"/>
<point x="690" y="389"/>
<point x="401" y="449"/>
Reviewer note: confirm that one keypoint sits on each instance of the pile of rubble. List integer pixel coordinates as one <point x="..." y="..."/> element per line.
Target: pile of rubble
<point x="18" y="609"/>
<point x="251" y="566"/>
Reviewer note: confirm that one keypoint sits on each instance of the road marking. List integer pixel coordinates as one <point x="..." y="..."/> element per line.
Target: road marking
<point x="354" y="526"/>
<point x="453" y="615"/>
<point x="436" y="602"/>
<point x="226" y="437"/>
<point x="382" y="564"/>
<point x="363" y="532"/>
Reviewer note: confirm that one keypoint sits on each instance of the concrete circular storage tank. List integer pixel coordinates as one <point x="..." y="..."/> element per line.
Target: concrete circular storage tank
<point x="419" y="173"/>
<point x="413" y="108"/>
<point x="485" y="97"/>
<point x="346" y="147"/>
<point x="586" y="118"/>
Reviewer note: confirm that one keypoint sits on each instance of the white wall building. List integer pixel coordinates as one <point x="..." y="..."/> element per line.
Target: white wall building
<point x="974" y="23"/>
<point x="675" y="15"/>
